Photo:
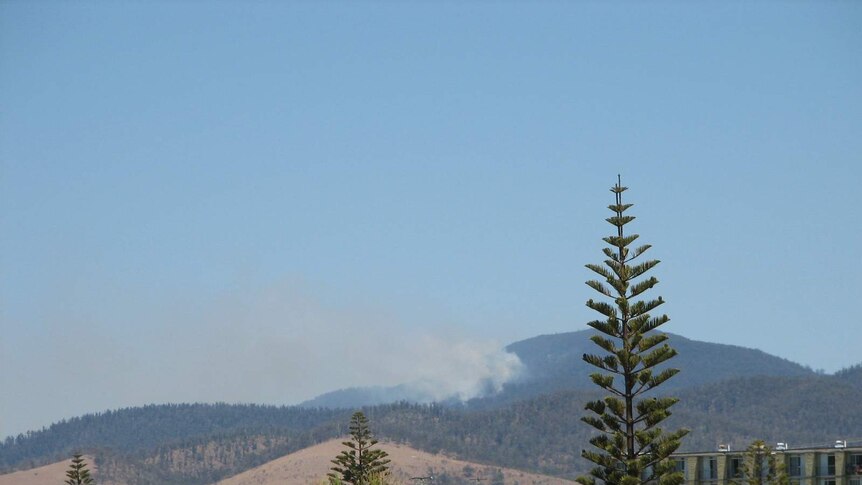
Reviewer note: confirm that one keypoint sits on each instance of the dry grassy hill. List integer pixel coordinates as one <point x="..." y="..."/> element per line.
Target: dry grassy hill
<point x="52" y="474"/>
<point x="310" y="466"/>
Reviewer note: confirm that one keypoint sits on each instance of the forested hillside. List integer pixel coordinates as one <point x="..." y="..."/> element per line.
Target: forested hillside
<point x="851" y="375"/>
<point x="799" y="411"/>
<point x="198" y="444"/>
<point x="545" y="434"/>
<point x="121" y="437"/>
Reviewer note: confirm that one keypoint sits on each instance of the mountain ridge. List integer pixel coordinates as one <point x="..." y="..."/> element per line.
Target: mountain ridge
<point x="553" y="362"/>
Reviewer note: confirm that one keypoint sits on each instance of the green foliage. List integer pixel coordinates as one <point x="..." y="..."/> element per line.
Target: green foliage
<point x="359" y="464"/>
<point x="631" y="448"/>
<point x="374" y="479"/>
<point x="380" y="479"/>
<point x="78" y="474"/>
<point x="202" y="444"/>
<point x="760" y="466"/>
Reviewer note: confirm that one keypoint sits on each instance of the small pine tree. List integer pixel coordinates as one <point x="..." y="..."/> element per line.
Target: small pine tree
<point x="359" y="464"/>
<point x="760" y="466"/>
<point x="78" y="474"/>
<point x="631" y="449"/>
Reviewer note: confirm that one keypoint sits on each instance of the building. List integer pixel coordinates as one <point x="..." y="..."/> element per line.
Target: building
<point x="838" y="465"/>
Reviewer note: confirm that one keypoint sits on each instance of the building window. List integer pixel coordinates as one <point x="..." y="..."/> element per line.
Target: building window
<point x="854" y="465"/>
<point x="709" y="469"/>
<point x="826" y="465"/>
<point x="794" y="466"/>
<point x="679" y="465"/>
<point x="734" y="467"/>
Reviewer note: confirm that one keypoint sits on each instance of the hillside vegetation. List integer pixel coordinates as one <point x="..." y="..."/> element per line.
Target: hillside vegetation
<point x="727" y="394"/>
<point x="199" y="444"/>
<point x="851" y="376"/>
<point x="178" y="443"/>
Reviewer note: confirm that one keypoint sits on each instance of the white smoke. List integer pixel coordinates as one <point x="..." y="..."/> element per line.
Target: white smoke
<point x="290" y="345"/>
<point x="279" y="345"/>
<point x="463" y="369"/>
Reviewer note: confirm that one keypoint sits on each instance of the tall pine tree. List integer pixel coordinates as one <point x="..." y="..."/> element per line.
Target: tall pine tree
<point x="631" y="448"/>
<point x="78" y="474"/>
<point x="359" y="464"/>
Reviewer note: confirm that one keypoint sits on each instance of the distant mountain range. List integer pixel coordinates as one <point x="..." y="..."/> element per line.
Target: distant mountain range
<point x="554" y="363"/>
<point x="727" y="394"/>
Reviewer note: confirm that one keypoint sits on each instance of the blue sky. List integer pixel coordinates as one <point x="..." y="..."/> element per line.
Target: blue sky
<point x="198" y="199"/>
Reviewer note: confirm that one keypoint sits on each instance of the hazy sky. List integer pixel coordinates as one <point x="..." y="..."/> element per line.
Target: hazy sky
<point x="259" y="202"/>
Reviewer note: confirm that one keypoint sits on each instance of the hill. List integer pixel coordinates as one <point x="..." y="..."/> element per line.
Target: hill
<point x="541" y="435"/>
<point x="180" y="443"/>
<point x="557" y="359"/>
<point x="554" y="363"/>
<point x="808" y="410"/>
<point x="51" y="474"/>
<point x="545" y="434"/>
<point x="310" y="465"/>
<point x="728" y="394"/>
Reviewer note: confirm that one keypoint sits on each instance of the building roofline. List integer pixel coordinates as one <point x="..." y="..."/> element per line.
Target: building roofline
<point x="788" y="450"/>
